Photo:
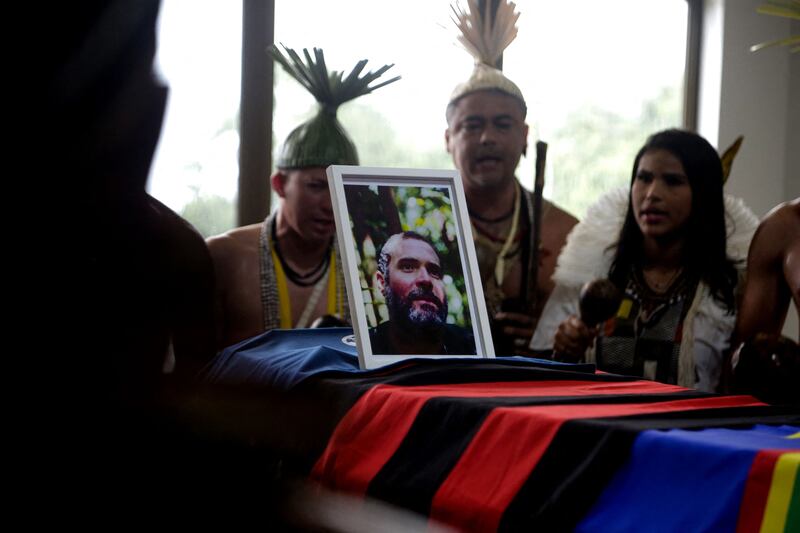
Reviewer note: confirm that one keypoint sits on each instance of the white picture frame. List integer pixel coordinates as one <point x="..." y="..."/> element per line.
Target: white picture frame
<point x="378" y="195"/>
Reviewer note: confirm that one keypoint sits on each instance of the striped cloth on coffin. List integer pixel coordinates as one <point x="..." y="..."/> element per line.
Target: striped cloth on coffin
<point x="508" y="454"/>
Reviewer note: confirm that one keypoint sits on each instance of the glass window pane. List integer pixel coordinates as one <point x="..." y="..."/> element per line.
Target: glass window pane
<point x="195" y="169"/>
<point x="401" y="124"/>
<point x="598" y="77"/>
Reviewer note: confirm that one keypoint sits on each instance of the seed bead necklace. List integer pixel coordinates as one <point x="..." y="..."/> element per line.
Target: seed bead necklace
<point x="303" y="280"/>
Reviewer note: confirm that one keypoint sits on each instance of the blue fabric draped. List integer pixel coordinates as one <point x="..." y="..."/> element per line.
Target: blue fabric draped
<point x="684" y="480"/>
<point x="286" y="358"/>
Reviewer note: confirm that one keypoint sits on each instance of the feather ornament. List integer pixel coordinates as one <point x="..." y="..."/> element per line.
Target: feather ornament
<point x="329" y="89"/>
<point x="728" y="156"/>
<point x="322" y="141"/>
<point x="485" y="35"/>
<point x="780" y="8"/>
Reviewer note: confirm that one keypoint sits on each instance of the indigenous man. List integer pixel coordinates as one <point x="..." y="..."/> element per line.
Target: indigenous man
<point x="486" y="136"/>
<point x="773" y="273"/>
<point x="411" y="279"/>
<point x="767" y="364"/>
<point x="283" y="273"/>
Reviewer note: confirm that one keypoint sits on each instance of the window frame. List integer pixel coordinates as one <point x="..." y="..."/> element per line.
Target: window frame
<point x="256" y="109"/>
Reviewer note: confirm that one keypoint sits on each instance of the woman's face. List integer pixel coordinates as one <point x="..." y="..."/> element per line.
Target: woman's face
<point x="661" y="196"/>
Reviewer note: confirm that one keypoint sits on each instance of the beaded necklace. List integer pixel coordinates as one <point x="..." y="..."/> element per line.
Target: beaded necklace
<point x="303" y="280"/>
<point x="501" y="218"/>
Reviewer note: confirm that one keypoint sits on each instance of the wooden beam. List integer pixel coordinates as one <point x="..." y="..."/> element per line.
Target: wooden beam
<point x="255" y="111"/>
<point x="691" y="81"/>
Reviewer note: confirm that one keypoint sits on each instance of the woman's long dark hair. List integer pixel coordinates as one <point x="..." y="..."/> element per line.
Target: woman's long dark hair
<point x="704" y="252"/>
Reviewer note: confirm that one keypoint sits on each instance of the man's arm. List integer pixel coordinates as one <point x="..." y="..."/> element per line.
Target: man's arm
<point x="237" y="300"/>
<point x="182" y="261"/>
<point x="766" y="363"/>
<point x="194" y="326"/>
<point x="219" y="248"/>
<point x="766" y="294"/>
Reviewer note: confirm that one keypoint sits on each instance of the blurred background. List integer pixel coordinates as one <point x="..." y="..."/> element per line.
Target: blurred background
<point x="598" y="78"/>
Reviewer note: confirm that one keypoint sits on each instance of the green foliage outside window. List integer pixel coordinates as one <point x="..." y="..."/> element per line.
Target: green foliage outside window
<point x="210" y="214"/>
<point x="594" y="150"/>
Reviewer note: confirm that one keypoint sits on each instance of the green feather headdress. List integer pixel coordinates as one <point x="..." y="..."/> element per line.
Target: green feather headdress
<point x="322" y="141"/>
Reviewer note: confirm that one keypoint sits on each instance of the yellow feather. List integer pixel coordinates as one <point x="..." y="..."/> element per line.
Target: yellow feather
<point x="728" y="157"/>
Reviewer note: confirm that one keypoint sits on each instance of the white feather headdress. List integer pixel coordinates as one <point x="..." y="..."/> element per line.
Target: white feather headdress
<point x="485" y="36"/>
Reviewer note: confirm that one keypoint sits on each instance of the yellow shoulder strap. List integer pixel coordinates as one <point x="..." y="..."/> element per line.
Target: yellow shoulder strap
<point x="283" y="293"/>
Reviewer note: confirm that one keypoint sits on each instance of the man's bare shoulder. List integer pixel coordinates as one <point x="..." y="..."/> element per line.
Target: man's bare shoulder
<point x="784" y="216"/>
<point x="235" y="243"/>
<point x="779" y="228"/>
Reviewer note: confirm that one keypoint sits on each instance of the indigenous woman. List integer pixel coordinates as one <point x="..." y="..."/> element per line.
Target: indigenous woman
<point x="674" y="245"/>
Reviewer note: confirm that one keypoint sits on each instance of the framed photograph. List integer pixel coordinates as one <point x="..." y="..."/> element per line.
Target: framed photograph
<point x="409" y="264"/>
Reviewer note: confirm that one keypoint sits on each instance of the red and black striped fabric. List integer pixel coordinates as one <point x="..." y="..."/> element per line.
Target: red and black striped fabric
<point x="500" y="445"/>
